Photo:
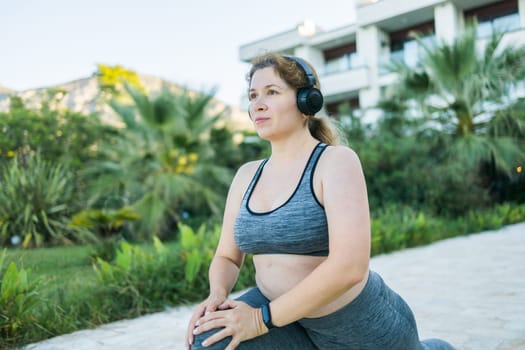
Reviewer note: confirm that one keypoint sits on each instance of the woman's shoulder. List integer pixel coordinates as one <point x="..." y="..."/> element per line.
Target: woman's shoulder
<point x="249" y="168"/>
<point x="340" y="153"/>
<point x="339" y="160"/>
<point x="245" y="173"/>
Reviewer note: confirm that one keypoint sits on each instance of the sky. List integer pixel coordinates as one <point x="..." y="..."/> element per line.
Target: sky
<point x="194" y="43"/>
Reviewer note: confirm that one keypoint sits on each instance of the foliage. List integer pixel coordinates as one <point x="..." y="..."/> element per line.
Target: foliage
<point x="58" y="135"/>
<point x="106" y="227"/>
<point x="461" y="106"/>
<point x="163" y="165"/>
<point x="396" y="227"/>
<point x="132" y="285"/>
<point x="36" y="201"/>
<point x="41" y="152"/>
<point x="390" y="177"/>
<point x="103" y="222"/>
<point x="140" y="281"/>
<point x="198" y="249"/>
<point x="197" y="253"/>
<point x="146" y="278"/>
<point x="19" y="296"/>
<point x="234" y="149"/>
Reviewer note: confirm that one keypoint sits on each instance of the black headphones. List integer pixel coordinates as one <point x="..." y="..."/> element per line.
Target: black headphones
<point x="309" y="98"/>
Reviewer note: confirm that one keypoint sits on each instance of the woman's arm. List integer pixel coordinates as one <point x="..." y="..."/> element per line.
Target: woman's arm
<point x="344" y="197"/>
<point x="228" y="259"/>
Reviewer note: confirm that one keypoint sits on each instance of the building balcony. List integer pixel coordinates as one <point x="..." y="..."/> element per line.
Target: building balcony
<point x="344" y="82"/>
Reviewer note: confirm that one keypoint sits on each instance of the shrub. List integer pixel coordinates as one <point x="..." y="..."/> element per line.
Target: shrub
<point x="136" y="280"/>
<point x="19" y="296"/>
<point x="140" y="280"/>
<point x="396" y="227"/>
<point x="36" y="201"/>
<point x="515" y="214"/>
<point x="104" y="223"/>
<point x="59" y="135"/>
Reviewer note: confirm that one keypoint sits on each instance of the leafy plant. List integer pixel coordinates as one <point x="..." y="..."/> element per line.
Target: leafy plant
<point x="36" y="201"/>
<point x="63" y="136"/>
<point x="198" y="248"/>
<point x="104" y="222"/>
<point x="396" y="227"/>
<point x="163" y="164"/>
<point x="139" y="281"/>
<point x="19" y="296"/>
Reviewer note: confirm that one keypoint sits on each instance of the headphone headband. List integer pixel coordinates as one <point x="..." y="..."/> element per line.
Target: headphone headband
<point x="310" y="76"/>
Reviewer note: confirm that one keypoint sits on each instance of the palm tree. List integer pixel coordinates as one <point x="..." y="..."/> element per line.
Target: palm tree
<point x="466" y="95"/>
<point x="163" y="164"/>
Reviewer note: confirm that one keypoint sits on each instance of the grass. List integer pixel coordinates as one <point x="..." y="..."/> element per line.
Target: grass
<point x="59" y="267"/>
<point x="62" y="269"/>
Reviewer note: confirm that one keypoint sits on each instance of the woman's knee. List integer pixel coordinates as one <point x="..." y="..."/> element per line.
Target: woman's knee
<point x="199" y="338"/>
<point x="436" y="344"/>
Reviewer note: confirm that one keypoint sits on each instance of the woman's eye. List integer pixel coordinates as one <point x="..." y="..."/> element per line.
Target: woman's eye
<point x="252" y="96"/>
<point x="272" y="92"/>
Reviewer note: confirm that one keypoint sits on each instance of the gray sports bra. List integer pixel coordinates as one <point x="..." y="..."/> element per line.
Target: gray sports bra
<point x="298" y="226"/>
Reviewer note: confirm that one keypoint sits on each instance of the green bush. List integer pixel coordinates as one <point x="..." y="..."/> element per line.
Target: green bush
<point x="137" y="281"/>
<point x="59" y="135"/>
<point x="493" y="218"/>
<point x="514" y="214"/>
<point x="104" y="223"/>
<point x="396" y="227"/>
<point x="37" y="199"/>
<point x="19" y="297"/>
<point x="141" y="280"/>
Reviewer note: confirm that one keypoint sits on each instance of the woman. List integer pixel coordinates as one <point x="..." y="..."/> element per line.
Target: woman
<point x="303" y="214"/>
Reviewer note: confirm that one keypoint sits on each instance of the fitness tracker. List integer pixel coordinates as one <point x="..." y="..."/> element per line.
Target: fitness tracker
<point x="267" y="316"/>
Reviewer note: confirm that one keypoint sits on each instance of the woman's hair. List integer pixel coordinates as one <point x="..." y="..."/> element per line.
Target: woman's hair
<point x="322" y="128"/>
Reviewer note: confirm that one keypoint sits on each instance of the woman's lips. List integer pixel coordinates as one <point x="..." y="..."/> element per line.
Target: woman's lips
<point x="260" y="120"/>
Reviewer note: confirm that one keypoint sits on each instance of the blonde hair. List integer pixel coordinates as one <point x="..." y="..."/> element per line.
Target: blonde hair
<point x="322" y="128"/>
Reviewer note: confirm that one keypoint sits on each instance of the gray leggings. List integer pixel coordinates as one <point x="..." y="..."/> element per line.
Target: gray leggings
<point x="377" y="319"/>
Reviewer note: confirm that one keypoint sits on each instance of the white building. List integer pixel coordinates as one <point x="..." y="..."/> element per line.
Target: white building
<point x="349" y="59"/>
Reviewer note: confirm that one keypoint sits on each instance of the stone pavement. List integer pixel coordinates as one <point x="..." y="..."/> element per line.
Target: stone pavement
<point x="467" y="290"/>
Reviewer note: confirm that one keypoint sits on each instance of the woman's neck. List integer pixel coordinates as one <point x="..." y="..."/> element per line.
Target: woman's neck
<point x="291" y="148"/>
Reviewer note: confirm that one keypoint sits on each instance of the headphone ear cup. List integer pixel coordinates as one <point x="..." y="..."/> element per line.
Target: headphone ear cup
<point x="309" y="100"/>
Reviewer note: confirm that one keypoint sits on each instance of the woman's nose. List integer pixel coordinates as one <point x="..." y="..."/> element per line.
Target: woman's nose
<point x="258" y="104"/>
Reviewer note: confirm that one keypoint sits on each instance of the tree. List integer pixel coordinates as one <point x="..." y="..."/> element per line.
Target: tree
<point x="163" y="164"/>
<point x="465" y="95"/>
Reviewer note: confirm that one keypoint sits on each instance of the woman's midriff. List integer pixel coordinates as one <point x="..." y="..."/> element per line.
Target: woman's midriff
<point x="278" y="273"/>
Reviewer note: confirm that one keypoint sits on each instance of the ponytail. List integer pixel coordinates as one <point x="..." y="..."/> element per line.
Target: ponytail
<point x="325" y="130"/>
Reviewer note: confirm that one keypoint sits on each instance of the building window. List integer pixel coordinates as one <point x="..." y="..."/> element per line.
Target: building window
<point x="502" y="16"/>
<point x="340" y="59"/>
<point x="403" y="46"/>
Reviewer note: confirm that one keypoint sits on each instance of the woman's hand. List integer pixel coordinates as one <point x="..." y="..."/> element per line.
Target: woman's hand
<point x="209" y="305"/>
<point x="237" y="319"/>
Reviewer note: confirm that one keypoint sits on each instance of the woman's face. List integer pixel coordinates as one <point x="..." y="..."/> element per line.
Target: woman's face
<point x="272" y="108"/>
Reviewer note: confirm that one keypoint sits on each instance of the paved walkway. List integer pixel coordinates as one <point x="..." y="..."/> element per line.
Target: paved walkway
<point x="468" y="290"/>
